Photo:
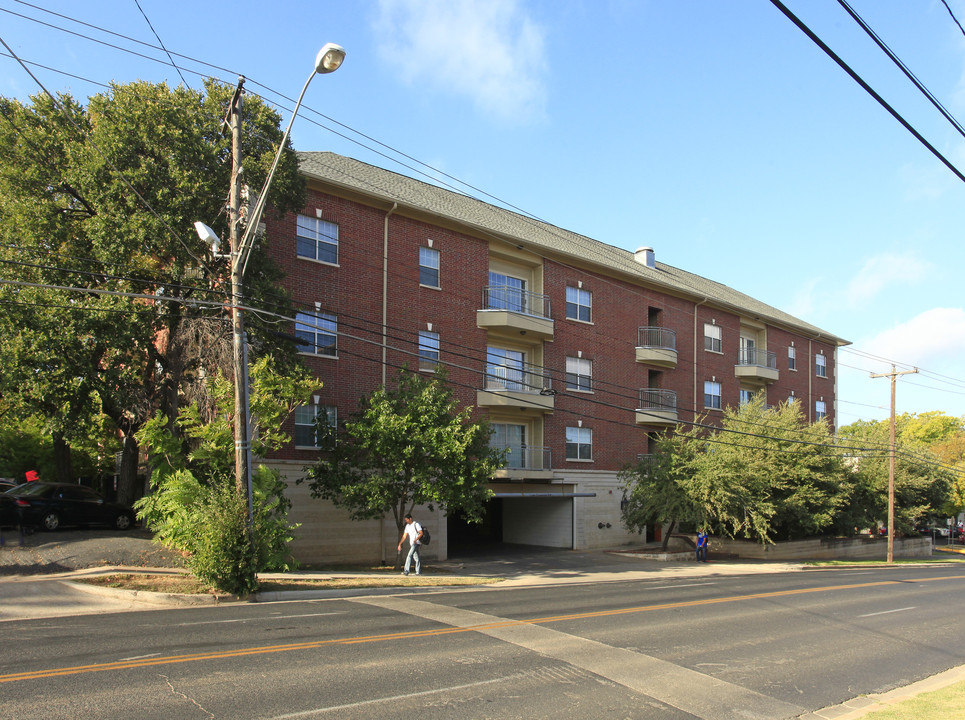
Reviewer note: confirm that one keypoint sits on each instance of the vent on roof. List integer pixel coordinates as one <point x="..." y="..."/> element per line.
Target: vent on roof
<point x="645" y="256"/>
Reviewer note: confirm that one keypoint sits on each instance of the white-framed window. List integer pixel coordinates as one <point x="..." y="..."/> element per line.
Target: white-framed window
<point x="579" y="443"/>
<point x="746" y="396"/>
<point x="820" y="365"/>
<point x="429" y="267"/>
<point x="712" y="395"/>
<point x="312" y="422"/>
<point x="579" y="374"/>
<point x="428" y="350"/>
<point x="820" y="409"/>
<point x="507" y="293"/>
<point x="506" y="370"/>
<point x="316" y="239"/>
<point x="317" y="332"/>
<point x="712" y="336"/>
<point x="791" y="358"/>
<point x="510" y="437"/>
<point x="579" y="304"/>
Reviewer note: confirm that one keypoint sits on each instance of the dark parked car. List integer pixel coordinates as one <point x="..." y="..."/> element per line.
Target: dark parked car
<point x="52" y="505"/>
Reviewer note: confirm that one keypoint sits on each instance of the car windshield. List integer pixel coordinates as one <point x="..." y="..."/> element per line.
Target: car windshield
<point x="32" y="489"/>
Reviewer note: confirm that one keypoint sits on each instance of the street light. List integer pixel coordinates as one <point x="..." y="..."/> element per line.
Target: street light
<point x="328" y="60"/>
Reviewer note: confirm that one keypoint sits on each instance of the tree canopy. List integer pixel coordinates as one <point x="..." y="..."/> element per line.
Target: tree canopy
<point x="406" y="446"/>
<point x="110" y="303"/>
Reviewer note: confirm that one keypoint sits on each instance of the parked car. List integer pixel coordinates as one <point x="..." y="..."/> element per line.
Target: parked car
<point x="52" y="505"/>
<point x="7" y="485"/>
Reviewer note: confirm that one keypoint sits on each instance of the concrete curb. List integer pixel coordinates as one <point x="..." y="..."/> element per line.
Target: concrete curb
<point x="150" y="597"/>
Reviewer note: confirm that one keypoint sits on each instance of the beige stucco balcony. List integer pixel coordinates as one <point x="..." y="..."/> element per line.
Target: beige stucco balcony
<point x="524" y="462"/>
<point x="755" y="364"/>
<point x="657" y="346"/>
<point x="657" y="407"/>
<point x="528" y="388"/>
<point x="515" y="312"/>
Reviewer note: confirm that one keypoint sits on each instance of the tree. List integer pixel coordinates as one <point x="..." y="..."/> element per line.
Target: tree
<point x="922" y="482"/>
<point x="194" y="508"/>
<point x="763" y="474"/>
<point x="407" y="446"/>
<point x="96" y="211"/>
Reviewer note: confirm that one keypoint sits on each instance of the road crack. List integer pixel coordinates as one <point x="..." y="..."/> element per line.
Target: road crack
<point x="194" y="702"/>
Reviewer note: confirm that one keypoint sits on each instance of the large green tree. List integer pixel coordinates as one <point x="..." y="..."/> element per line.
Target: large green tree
<point x="97" y="204"/>
<point x="408" y="445"/>
<point x="764" y="474"/>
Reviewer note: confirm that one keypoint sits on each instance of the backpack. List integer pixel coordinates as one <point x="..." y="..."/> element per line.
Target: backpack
<point x="425" y="535"/>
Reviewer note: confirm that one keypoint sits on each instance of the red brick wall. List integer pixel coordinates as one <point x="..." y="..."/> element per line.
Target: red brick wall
<point x="353" y="292"/>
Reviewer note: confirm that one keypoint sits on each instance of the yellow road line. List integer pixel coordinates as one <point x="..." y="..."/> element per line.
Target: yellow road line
<point x="247" y="652"/>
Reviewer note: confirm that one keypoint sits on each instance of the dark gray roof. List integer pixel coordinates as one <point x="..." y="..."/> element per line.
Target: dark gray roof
<point x="489" y="220"/>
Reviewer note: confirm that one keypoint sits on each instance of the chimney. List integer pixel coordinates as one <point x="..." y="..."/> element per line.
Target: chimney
<point x="645" y="256"/>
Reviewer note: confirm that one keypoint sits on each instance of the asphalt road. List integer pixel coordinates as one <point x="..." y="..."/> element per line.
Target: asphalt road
<point x="746" y="646"/>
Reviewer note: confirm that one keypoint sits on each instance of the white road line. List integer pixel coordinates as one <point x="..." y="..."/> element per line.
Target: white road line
<point x="138" y="657"/>
<point x="887" y="612"/>
<point x="258" y="619"/>
<point x="394" y="698"/>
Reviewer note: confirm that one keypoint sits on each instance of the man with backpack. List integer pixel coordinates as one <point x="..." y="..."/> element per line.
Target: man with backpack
<point x="412" y="531"/>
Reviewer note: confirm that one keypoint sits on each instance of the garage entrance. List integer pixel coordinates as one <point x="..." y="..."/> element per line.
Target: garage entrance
<point x="514" y="520"/>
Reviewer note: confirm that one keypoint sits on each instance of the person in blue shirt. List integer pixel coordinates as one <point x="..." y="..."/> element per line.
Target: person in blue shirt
<point x="702" y="546"/>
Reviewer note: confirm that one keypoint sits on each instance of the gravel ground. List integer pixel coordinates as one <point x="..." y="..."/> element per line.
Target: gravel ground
<point x="66" y="550"/>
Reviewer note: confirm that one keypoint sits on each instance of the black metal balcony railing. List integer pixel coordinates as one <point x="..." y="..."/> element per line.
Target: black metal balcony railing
<point x="527" y="457"/>
<point x="524" y="379"/>
<point x="656" y="337"/>
<point x="658" y="400"/>
<point x="757" y="358"/>
<point x="504" y="297"/>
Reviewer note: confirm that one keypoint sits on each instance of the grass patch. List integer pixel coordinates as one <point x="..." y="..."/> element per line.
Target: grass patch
<point x="189" y="585"/>
<point x="951" y="557"/>
<point x="945" y="703"/>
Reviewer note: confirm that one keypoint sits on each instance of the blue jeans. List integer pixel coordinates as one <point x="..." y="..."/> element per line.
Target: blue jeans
<point x="413" y="553"/>
<point x="702" y="554"/>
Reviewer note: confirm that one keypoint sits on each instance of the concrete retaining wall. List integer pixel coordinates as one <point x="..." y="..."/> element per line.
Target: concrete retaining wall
<point x="863" y="547"/>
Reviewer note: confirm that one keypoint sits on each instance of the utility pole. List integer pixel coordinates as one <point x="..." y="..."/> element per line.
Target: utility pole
<point x="891" y="460"/>
<point x="238" y="337"/>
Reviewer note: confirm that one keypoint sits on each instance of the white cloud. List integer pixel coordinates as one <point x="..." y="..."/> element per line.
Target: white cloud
<point x="487" y="50"/>
<point x="933" y="340"/>
<point x="884" y="271"/>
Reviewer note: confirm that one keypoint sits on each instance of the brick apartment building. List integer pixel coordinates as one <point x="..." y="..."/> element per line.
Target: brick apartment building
<point x="578" y="352"/>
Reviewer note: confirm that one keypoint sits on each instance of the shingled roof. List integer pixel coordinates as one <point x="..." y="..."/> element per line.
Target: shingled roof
<point x="488" y="221"/>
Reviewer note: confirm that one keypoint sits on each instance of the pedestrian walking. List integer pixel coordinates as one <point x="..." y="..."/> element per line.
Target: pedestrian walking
<point x="412" y="531"/>
<point x="702" y="546"/>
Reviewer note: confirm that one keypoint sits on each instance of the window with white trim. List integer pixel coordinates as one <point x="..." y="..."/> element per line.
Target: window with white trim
<point x="820" y="409"/>
<point x="316" y="239"/>
<point x="792" y="358"/>
<point x="579" y="374"/>
<point x="579" y="443"/>
<point x="712" y="395"/>
<point x="429" y="267"/>
<point x="506" y="370"/>
<point x="712" y="337"/>
<point x="507" y="293"/>
<point x="428" y="350"/>
<point x="312" y="422"/>
<point x="317" y="333"/>
<point x="820" y="365"/>
<point x="579" y="304"/>
<point x="746" y="397"/>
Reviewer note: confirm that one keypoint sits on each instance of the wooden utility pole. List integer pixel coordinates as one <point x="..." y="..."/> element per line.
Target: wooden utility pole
<point x="891" y="460"/>
<point x="238" y="340"/>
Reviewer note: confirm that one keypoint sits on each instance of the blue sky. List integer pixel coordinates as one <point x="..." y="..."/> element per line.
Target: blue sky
<point x="714" y="131"/>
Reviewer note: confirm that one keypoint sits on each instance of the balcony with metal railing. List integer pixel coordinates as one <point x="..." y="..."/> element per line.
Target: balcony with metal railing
<point x="515" y="311"/>
<point x="756" y="364"/>
<point x="657" y="407"/>
<point x="528" y="387"/>
<point x="526" y="462"/>
<point x="657" y="346"/>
